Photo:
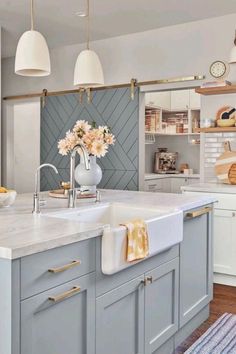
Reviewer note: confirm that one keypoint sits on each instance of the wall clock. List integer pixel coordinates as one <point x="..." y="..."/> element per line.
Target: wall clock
<point x="219" y="69"/>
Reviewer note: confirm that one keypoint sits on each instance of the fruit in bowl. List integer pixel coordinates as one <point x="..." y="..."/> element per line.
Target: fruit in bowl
<point x="226" y="117"/>
<point x="7" y="197"/>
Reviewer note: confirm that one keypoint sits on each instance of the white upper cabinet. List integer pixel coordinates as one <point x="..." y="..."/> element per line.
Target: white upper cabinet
<point x="175" y="100"/>
<point x="179" y="100"/>
<point x="194" y="100"/>
<point x="158" y="99"/>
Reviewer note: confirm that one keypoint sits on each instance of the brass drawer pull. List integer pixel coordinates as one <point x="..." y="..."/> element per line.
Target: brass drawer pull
<point x="196" y="213"/>
<point x="75" y="290"/>
<point x="65" y="267"/>
<point x="147" y="280"/>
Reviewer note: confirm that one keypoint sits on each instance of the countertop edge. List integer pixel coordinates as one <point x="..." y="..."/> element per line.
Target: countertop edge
<point x="213" y="188"/>
<point x="20" y="240"/>
<point x="151" y="176"/>
<point x="27" y="250"/>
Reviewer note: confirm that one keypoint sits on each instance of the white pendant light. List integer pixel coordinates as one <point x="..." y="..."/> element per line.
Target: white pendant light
<point x="232" y="57"/>
<point x="88" y="69"/>
<point x="32" y="54"/>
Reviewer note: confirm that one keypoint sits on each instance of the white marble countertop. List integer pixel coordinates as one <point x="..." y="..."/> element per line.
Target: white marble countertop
<point x="22" y="233"/>
<point x="210" y="188"/>
<point x="150" y="176"/>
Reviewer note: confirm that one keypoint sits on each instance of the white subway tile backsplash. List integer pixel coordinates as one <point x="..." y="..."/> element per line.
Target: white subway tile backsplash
<point x="209" y="172"/>
<point x="211" y="154"/>
<point x="208" y="165"/>
<point x="213" y="135"/>
<point x="233" y="144"/>
<point x="211" y="149"/>
<point x="218" y="145"/>
<point x="229" y="135"/>
<point x="211" y="140"/>
<point x="210" y="159"/>
<point x="222" y="140"/>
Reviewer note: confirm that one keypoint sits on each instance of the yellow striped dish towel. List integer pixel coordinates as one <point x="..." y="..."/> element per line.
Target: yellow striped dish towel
<point x="137" y="240"/>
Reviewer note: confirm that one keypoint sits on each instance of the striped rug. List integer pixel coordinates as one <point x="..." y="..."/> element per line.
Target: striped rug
<point x="220" y="338"/>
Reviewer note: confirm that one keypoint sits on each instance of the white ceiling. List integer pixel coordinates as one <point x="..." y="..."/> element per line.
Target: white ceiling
<point x="57" y="21"/>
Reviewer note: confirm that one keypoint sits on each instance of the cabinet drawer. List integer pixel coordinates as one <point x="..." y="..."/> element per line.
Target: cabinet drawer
<point x="154" y="185"/>
<point x="48" y="269"/>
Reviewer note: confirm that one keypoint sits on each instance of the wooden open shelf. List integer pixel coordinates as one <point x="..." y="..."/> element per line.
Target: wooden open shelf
<point x="216" y="130"/>
<point x="216" y="90"/>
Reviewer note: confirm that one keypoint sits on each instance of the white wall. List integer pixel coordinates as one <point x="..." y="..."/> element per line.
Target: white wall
<point x="167" y="52"/>
<point x="0" y="106"/>
<point x="21" y="133"/>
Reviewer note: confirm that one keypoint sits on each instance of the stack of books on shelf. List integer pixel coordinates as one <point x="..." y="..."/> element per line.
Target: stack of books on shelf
<point x="215" y="84"/>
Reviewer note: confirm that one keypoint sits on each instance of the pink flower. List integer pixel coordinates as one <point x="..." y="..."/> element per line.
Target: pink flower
<point x="109" y="139"/>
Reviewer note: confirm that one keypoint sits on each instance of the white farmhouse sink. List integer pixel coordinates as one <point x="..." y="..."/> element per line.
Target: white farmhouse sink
<point x="165" y="229"/>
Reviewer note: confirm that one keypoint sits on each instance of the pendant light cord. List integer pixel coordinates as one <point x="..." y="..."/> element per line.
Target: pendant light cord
<point x="32" y="14"/>
<point x="88" y="24"/>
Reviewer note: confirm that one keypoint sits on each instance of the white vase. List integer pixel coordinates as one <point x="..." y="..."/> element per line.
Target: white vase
<point x="88" y="179"/>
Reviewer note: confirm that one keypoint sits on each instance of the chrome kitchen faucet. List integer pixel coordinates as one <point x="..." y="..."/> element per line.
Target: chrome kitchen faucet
<point x="72" y="190"/>
<point x="36" y="201"/>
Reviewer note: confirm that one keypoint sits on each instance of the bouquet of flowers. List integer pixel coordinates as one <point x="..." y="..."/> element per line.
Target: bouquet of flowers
<point x="95" y="139"/>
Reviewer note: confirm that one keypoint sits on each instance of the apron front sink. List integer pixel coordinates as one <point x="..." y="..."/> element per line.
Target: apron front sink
<point x="165" y="229"/>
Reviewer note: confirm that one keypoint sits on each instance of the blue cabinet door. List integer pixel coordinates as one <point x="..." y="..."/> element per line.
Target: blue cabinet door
<point x="195" y="264"/>
<point x="120" y="320"/>
<point x="161" y="305"/>
<point x="60" y="320"/>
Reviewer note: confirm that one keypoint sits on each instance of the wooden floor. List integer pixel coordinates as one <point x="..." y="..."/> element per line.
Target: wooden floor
<point x="224" y="301"/>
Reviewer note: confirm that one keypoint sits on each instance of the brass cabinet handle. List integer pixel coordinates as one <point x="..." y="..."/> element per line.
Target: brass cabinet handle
<point x="196" y="213"/>
<point x="146" y="281"/>
<point x="65" y="267"/>
<point x="75" y="290"/>
<point x="149" y="280"/>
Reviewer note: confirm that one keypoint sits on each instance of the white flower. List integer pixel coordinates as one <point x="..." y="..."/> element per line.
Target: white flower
<point x="72" y="139"/>
<point x="99" y="149"/>
<point x="103" y="128"/>
<point x="63" y="147"/>
<point x="82" y="125"/>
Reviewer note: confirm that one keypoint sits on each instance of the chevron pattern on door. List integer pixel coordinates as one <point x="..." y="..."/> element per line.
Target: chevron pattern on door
<point x="108" y="107"/>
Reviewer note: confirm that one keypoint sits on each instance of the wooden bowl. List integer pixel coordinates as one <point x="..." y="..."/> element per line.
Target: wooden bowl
<point x="226" y="122"/>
